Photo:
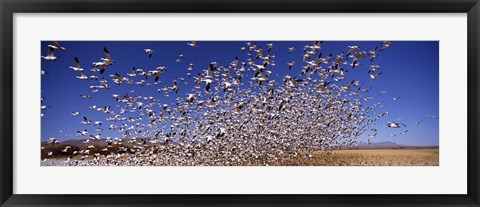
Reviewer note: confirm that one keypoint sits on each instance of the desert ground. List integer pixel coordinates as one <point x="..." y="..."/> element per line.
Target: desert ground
<point x="410" y="156"/>
<point x="371" y="157"/>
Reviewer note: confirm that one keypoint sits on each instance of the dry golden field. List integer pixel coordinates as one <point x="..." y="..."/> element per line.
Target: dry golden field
<point x="371" y="157"/>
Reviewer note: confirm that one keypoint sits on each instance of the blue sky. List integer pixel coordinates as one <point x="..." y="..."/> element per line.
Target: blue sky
<point x="410" y="70"/>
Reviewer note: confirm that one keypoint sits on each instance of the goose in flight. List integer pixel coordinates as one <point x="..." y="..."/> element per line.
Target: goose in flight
<point x="227" y="86"/>
<point x="270" y="46"/>
<point x="108" y="59"/>
<point x="190" y="67"/>
<point x="55" y="45"/>
<point x="293" y="82"/>
<point x="76" y="66"/>
<point x="431" y="116"/>
<point x="43" y="107"/>
<point x="149" y="52"/>
<point x="82" y="76"/>
<point x="132" y="72"/>
<point x="395" y="124"/>
<point x="373" y="54"/>
<point x="259" y="53"/>
<point x="175" y="87"/>
<point x="50" y="56"/>
<point x="156" y="74"/>
<point x="190" y="98"/>
<point x="396" y="98"/>
<point x="102" y="66"/>
<point x="366" y="90"/>
<point x="85" y="121"/>
<point x="208" y="82"/>
<point x="291" y="49"/>
<point x="198" y="79"/>
<point x="291" y="64"/>
<point x="316" y="45"/>
<point x="374" y="77"/>
<point x="386" y="44"/>
<point x="373" y="68"/>
<point x="66" y="148"/>
<point x="418" y="122"/>
<point x="75" y="113"/>
<point x="96" y="137"/>
<point x="347" y="87"/>
<point x="325" y="60"/>
<point x="180" y="57"/>
<point x="192" y="44"/>
<point x="52" y="141"/>
<point x="359" y="55"/>
<point x="352" y="49"/>
<point x="260" y="68"/>
<point x="383" y="114"/>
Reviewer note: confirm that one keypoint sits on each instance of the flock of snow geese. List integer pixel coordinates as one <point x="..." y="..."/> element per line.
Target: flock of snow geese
<point x="236" y="114"/>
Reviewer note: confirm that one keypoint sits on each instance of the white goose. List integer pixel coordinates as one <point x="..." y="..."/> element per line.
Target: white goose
<point x="192" y="44"/>
<point x="386" y="44"/>
<point x="108" y="59"/>
<point x="85" y="121"/>
<point x="291" y="64"/>
<point x="180" y="57"/>
<point x="395" y="125"/>
<point x="149" y="52"/>
<point x="76" y="66"/>
<point x="50" y="56"/>
<point x="56" y="46"/>
<point x="352" y="49"/>
<point x="132" y="72"/>
<point x="374" y="77"/>
<point x="373" y="68"/>
<point x="270" y="46"/>
<point x="82" y="76"/>
<point x="82" y="133"/>
<point x="190" y="67"/>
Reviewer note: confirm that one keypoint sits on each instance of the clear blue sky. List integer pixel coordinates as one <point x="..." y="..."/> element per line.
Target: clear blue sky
<point x="410" y="70"/>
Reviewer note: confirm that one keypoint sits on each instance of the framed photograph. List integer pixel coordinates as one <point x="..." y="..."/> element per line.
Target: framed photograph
<point x="236" y="103"/>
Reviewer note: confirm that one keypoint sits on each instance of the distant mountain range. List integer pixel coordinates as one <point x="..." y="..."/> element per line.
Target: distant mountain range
<point x="386" y="144"/>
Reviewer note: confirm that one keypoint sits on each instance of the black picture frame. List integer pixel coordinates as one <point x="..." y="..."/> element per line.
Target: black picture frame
<point x="9" y="7"/>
